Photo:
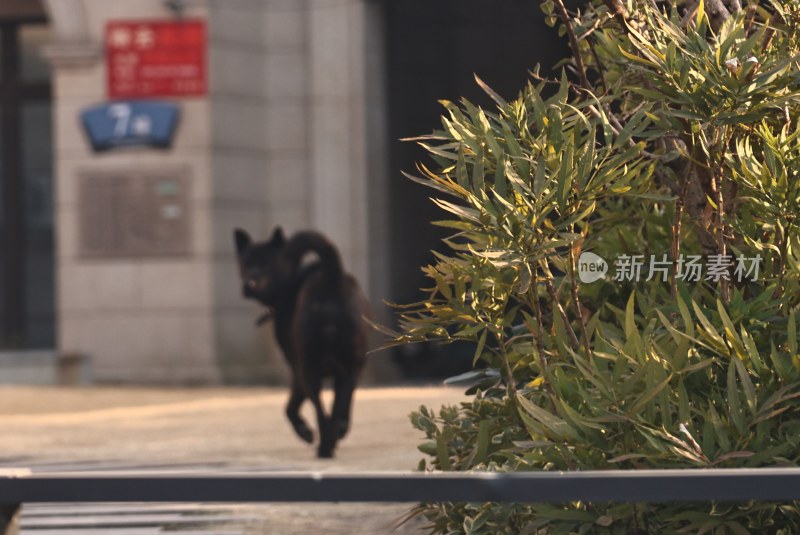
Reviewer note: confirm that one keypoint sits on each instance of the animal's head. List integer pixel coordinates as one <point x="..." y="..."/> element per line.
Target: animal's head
<point x="261" y="265"/>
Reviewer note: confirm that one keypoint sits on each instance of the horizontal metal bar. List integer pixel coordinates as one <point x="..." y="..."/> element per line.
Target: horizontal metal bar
<point x="763" y="484"/>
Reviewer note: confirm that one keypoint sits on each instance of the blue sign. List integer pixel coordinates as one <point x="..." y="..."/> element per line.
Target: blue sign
<point x="144" y="123"/>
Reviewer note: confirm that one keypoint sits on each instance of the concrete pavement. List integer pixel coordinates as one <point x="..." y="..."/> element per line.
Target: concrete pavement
<point x="243" y="427"/>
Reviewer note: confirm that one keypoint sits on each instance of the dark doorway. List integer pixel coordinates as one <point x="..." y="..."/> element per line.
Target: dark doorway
<point x="433" y="49"/>
<point x="26" y="207"/>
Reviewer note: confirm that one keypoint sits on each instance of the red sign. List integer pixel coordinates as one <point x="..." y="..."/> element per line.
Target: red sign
<point x="156" y="58"/>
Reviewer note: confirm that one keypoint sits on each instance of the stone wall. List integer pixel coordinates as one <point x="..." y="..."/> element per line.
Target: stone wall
<point x="288" y="134"/>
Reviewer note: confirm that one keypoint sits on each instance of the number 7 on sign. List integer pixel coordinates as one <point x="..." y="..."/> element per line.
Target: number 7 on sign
<point x="121" y="113"/>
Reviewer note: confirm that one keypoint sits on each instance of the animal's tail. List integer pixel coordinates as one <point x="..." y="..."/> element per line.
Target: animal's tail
<point x="313" y="242"/>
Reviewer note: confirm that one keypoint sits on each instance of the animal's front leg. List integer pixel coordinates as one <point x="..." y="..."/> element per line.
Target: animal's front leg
<point x="293" y="413"/>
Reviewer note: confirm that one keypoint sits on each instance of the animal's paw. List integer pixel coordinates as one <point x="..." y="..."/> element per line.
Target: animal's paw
<point x="305" y="433"/>
<point x="325" y="453"/>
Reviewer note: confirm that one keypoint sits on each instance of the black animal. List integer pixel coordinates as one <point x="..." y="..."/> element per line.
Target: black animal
<point x="318" y="311"/>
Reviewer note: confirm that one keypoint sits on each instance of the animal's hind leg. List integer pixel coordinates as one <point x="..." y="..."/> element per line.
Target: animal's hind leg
<point x="344" y="387"/>
<point x="293" y="413"/>
<point x="327" y="438"/>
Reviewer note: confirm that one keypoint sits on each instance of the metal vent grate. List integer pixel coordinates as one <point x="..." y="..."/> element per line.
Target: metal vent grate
<point x="134" y="214"/>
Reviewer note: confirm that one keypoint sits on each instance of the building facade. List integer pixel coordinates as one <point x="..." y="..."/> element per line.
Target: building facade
<point x="127" y="269"/>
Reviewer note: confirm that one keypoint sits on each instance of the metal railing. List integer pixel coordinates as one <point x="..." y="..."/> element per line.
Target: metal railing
<point x="690" y="485"/>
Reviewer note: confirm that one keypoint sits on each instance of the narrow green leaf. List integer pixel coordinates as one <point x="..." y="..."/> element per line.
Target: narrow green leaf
<point x="730" y="330"/>
<point x="686" y="316"/>
<point x="734" y="407"/>
<point x="565" y="177"/>
<point x="461" y="169"/>
<point x="701" y="13"/>
<point x="636" y="58"/>
<point x="778" y="361"/>
<point x="630" y="318"/>
<point x="752" y="350"/>
<point x="500" y="184"/>
<point x="709" y="330"/>
<point x="469" y="214"/>
<point x="557" y="427"/>
<point x="478" y="171"/>
<point x="482" y="442"/>
<point x="747" y="386"/>
<point x="649" y="394"/>
<point x="684" y="412"/>
<point x="489" y="91"/>
<point x="720" y="435"/>
<point x="442" y="451"/>
<point x="479" y="348"/>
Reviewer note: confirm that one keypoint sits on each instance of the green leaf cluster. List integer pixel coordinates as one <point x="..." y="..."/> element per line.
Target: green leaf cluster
<point x="687" y="142"/>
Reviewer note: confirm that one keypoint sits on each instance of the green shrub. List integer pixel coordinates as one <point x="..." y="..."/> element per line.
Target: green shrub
<point x="678" y="136"/>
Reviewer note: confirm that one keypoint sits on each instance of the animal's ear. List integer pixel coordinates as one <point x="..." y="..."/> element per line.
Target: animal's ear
<point x="277" y="236"/>
<point x="242" y="239"/>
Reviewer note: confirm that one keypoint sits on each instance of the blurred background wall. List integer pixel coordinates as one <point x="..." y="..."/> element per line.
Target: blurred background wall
<point x="297" y="125"/>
